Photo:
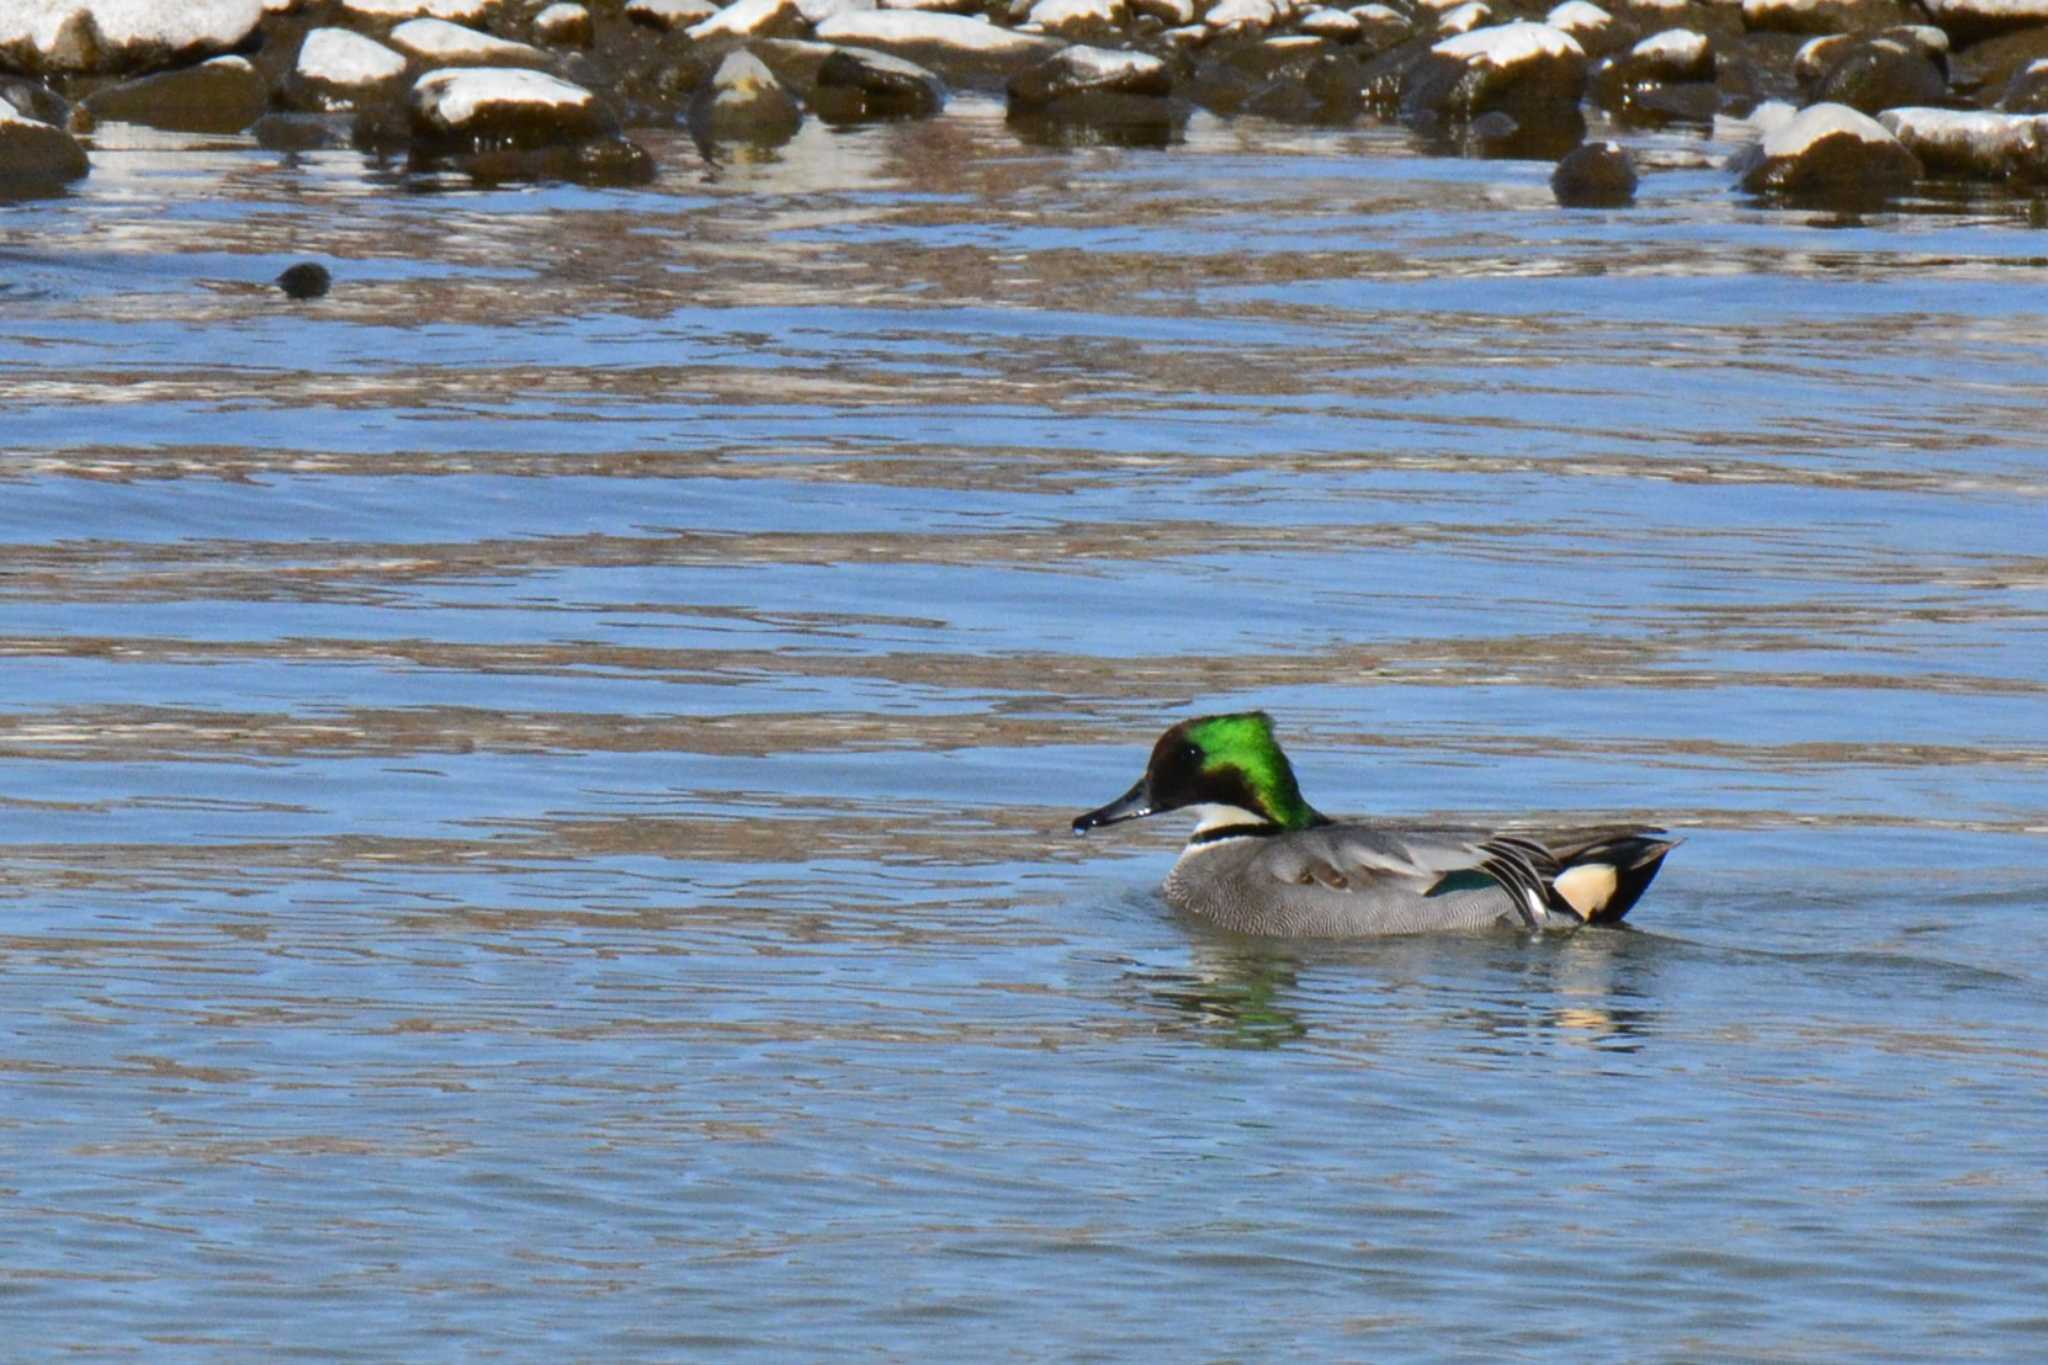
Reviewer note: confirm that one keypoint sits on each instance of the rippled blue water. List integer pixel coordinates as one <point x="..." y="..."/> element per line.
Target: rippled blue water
<point x="534" y="787"/>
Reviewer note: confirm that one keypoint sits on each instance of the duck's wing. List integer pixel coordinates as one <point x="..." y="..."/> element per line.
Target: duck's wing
<point x="1423" y="862"/>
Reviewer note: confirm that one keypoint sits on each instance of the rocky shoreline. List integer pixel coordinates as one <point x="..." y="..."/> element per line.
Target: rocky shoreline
<point x="1854" y="102"/>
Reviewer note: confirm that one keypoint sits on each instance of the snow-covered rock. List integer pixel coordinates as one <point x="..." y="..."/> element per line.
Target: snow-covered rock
<point x="512" y="104"/>
<point x="1977" y="144"/>
<point x="62" y="37"/>
<point x="748" y="18"/>
<point x="1826" y="153"/>
<point x="743" y="102"/>
<point x="445" y="44"/>
<point x="563" y="25"/>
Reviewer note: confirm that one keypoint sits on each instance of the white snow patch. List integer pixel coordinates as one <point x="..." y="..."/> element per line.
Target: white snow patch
<point x="907" y="27"/>
<point x="129" y="23"/>
<point x="1798" y="134"/>
<point x="1678" y="46"/>
<point x="340" y="57"/>
<point x="455" y="97"/>
<point x="1056" y="13"/>
<point x="462" y="11"/>
<point x="1578" y="16"/>
<point x="1465" y="18"/>
<point x="1510" y="44"/>
<point x="1975" y="137"/>
<point x="1255" y="13"/>
<point x="741" y="18"/>
<point x="437" y="40"/>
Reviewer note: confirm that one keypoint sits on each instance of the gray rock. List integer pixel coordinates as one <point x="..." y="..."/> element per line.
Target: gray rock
<point x="224" y="95"/>
<point x="34" y="155"/>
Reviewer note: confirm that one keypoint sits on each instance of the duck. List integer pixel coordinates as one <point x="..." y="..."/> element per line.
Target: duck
<point x="1263" y="861"/>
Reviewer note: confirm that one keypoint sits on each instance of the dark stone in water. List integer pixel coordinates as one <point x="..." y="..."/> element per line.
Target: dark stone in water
<point x="306" y="280"/>
<point x="1528" y="74"/>
<point x="2027" y="91"/>
<point x="301" y="132"/>
<point x="853" y="87"/>
<point x="34" y="155"/>
<point x="743" y="102"/>
<point x="33" y="99"/>
<point x="1875" y="74"/>
<point x="1595" y="175"/>
<point x="1829" y="156"/>
<point x="1079" y="70"/>
<point x="224" y="95"/>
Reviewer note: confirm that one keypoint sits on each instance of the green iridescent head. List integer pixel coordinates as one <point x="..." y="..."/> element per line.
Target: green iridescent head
<point x="1231" y="763"/>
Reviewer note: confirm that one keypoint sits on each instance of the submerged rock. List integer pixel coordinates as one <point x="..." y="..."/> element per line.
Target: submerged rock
<point x="1979" y="145"/>
<point x="302" y="132"/>
<point x="1595" y="175"/>
<point x="1827" y="154"/>
<point x="223" y="95"/>
<point x="36" y="156"/>
<point x="72" y="37"/>
<point x="854" y="86"/>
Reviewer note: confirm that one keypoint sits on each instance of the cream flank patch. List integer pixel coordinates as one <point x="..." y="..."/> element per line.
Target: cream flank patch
<point x="1587" y="887"/>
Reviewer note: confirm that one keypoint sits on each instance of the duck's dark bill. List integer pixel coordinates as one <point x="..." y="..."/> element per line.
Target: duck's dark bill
<point x="1134" y="804"/>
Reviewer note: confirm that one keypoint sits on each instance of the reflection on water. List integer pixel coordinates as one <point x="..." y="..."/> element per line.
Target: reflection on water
<point x="535" y="786"/>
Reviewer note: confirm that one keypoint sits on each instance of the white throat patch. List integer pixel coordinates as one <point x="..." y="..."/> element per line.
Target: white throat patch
<point x="1218" y="815"/>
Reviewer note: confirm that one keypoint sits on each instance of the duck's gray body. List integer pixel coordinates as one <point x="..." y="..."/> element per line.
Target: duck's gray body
<point x="1264" y="861"/>
<point x="1359" y="880"/>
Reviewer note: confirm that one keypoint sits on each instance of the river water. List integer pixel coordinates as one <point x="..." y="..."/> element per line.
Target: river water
<point x="535" y="786"/>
